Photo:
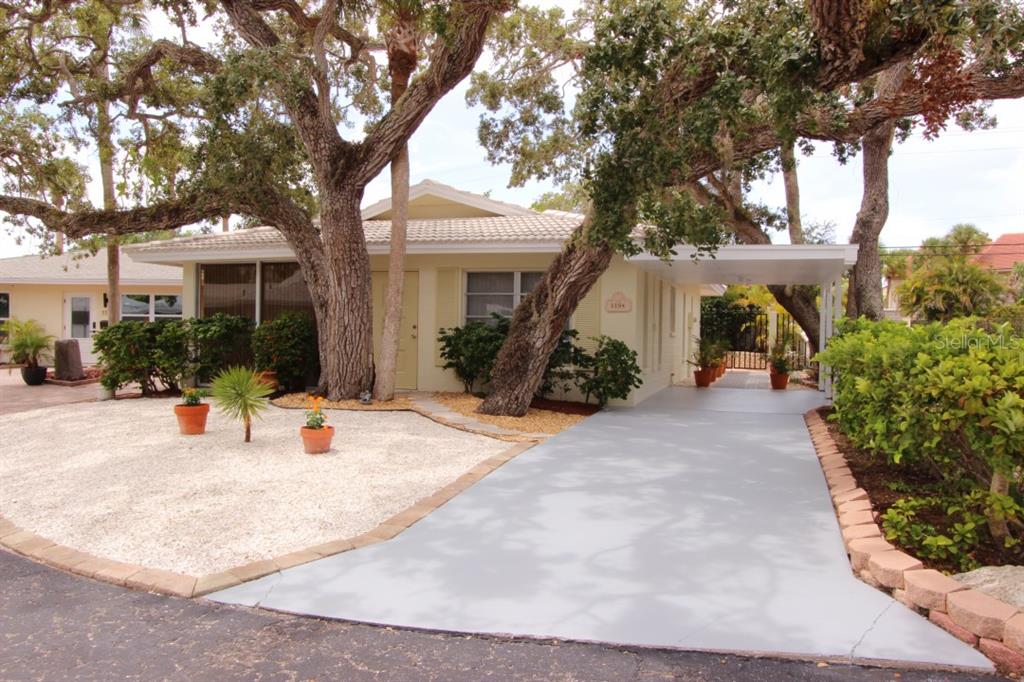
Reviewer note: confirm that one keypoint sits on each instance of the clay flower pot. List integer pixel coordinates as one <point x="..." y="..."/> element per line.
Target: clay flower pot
<point x="192" y="418"/>
<point x="703" y="376"/>
<point x="269" y="377"/>
<point x="779" y="380"/>
<point x="316" y="441"/>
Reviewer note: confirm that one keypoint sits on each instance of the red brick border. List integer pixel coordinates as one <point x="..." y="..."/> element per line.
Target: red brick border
<point x="137" y="577"/>
<point x="990" y="625"/>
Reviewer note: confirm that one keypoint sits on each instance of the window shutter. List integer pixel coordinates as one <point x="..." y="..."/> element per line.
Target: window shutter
<point x="447" y="314"/>
<point x="587" y="318"/>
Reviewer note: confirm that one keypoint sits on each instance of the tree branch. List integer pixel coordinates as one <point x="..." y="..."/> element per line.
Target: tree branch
<point x="451" y="60"/>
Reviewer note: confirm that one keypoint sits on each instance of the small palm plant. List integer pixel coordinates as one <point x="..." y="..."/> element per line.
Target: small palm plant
<point x="29" y="342"/>
<point x="241" y="394"/>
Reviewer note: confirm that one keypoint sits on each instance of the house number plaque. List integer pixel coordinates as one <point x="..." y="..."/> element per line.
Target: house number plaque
<point x="618" y="303"/>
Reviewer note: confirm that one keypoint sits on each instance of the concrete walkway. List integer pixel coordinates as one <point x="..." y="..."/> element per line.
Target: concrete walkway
<point x="17" y="396"/>
<point x="699" y="520"/>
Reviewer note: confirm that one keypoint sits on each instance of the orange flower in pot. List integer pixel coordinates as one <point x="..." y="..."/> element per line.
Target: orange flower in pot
<point x="192" y="412"/>
<point x="316" y="434"/>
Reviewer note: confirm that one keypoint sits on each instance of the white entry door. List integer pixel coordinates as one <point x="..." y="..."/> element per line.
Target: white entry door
<point x="79" y="323"/>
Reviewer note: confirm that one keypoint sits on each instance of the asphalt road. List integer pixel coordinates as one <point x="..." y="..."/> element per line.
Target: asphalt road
<point x="56" y="626"/>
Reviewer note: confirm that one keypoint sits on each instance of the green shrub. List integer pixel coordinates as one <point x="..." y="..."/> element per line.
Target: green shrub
<point x="611" y="372"/>
<point x="129" y="354"/>
<point x="287" y="345"/>
<point x="166" y="353"/>
<point x="470" y="350"/>
<point x="949" y="398"/>
<point x="219" y="341"/>
<point x="955" y="544"/>
<point x="241" y="393"/>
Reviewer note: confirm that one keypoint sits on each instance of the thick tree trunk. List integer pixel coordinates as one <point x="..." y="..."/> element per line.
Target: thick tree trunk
<point x="538" y="324"/>
<point x="865" y="289"/>
<point x="401" y="63"/>
<point x="339" y="284"/>
<point x="799" y="302"/>
<point x="864" y="297"/>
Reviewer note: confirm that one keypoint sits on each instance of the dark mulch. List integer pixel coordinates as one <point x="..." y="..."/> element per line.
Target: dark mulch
<point x="878" y="477"/>
<point x="565" y="406"/>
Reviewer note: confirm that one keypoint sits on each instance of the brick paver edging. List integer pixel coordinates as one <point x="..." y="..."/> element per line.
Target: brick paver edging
<point x="986" y="623"/>
<point x="41" y="549"/>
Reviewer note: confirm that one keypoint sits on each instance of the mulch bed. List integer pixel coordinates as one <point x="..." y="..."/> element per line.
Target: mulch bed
<point x="565" y="406"/>
<point x="876" y="476"/>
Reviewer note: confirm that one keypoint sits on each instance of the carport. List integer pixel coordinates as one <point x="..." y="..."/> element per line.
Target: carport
<point x="820" y="265"/>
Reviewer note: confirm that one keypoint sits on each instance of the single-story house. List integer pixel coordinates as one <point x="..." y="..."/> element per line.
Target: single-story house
<point x="470" y="256"/>
<point x="67" y="294"/>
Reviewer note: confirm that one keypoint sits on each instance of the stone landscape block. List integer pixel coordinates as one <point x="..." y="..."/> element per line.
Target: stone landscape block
<point x="855" y="518"/>
<point x="946" y="623"/>
<point x="67" y="360"/>
<point x="214" y="582"/>
<point x="867" y="530"/>
<point x="331" y="548"/>
<point x="862" y="549"/>
<point x="928" y="588"/>
<point x="165" y="582"/>
<point x="983" y="615"/>
<point x="1013" y="634"/>
<point x="843" y="484"/>
<point x="116" y="572"/>
<point x="850" y="496"/>
<point x="303" y="556"/>
<point x="853" y="506"/>
<point x="1006" y="659"/>
<point x="255" y="569"/>
<point x="888" y="567"/>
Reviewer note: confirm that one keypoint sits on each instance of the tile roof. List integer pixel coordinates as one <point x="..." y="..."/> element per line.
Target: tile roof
<point x="538" y="227"/>
<point x="1002" y="253"/>
<point x="83" y="268"/>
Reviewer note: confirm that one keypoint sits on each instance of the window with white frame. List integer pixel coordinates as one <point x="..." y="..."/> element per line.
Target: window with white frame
<point x="150" y="307"/>
<point x="5" y="314"/>
<point x="499" y="293"/>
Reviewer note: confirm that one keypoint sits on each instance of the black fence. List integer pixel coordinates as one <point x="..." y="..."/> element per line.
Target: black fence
<point x="748" y="343"/>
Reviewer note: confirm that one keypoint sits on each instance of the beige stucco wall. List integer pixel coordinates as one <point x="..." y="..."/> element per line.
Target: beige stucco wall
<point x="441" y="303"/>
<point x="44" y="303"/>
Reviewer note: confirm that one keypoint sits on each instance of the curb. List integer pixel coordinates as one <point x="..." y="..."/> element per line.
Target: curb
<point x="174" y="584"/>
<point x="988" y="624"/>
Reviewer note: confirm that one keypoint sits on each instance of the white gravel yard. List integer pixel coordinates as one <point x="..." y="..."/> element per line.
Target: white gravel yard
<point x="115" y="479"/>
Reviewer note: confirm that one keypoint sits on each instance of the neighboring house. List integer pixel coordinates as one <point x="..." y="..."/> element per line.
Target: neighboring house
<point x="1003" y="253"/>
<point x="67" y="294"/>
<point x="470" y="256"/>
<point x="999" y="255"/>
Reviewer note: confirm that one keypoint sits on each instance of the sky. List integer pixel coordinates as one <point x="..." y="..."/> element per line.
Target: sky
<point x="961" y="177"/>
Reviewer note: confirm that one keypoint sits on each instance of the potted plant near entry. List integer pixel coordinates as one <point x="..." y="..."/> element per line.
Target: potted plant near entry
<point x="192" y="412"/>
<point x="705" y="359"/>
<point x="778" y="366"/>
<point x="242" y="394"/>
<point x="30" y="346"/>
<point x="723" y="351"/>
<point x="316" y="434"/>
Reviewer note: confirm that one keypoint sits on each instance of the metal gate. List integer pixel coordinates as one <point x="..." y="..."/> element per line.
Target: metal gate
<point x="749" y="347"/>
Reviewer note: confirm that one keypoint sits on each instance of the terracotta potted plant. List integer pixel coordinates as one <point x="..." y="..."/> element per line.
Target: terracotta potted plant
<point x="191" y="412"/>
<point x="316" y="434"/>
<point x="778" y="367"/>
<point x="705" y="359"/>
<point x="269" y="377"/>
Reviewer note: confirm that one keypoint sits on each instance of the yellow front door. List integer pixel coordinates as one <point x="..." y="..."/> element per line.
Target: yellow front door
<point x="407" y="342"/>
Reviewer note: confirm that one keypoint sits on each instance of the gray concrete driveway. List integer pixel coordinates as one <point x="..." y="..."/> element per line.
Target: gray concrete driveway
<point x="698" y="520"/>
